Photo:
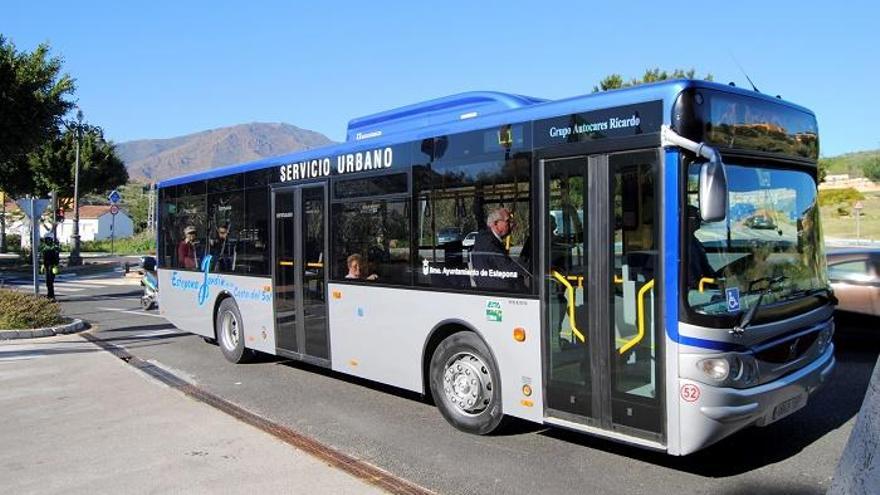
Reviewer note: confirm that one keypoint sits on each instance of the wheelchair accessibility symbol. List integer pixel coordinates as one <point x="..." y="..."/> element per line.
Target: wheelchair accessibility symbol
<point x="732" y="299"/>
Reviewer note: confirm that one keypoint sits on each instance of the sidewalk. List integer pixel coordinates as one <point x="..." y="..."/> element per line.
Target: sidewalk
<point x="76" y="419"/>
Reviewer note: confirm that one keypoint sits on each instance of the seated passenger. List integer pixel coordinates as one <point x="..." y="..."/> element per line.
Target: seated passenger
<point x="187" y="257"/>
<point x="354" y="269"/>
<point x="497" y="270"/>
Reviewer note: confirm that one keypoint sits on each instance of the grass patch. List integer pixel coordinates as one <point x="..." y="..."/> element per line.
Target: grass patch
<point x="839" y="221"/>
<point x="21" y="311"/>
<point x="142" y="243"/>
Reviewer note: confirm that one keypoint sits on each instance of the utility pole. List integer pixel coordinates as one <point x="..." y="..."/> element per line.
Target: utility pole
<point x="151" y="209"/>
<point x="858" y="209"/>
<point x="75" y="259"/>
<point x="2" y="222"/>
<point x="35" y="243"/>
<point x="53" y="202"/>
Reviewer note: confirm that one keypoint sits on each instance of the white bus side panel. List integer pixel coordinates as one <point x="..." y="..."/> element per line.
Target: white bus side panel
<point x="673" y="404"/>
<point x="380" y="334"/>
<point x="187" y="300"/>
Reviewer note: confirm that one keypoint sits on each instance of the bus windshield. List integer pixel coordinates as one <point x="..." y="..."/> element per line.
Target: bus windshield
<point x="769" y="243"/>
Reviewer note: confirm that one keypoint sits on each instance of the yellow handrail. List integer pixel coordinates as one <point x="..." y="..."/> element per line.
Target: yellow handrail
<point x="705" y="280"/>
<point x="569" y="290"/>
<point x="575" y="278"/>
<point x="640" y="312"/>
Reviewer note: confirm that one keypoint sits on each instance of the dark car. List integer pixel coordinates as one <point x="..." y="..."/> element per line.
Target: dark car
<point x="448" y="234"/>
<point x="855" y="276"/>
<point x="760" y="222"/>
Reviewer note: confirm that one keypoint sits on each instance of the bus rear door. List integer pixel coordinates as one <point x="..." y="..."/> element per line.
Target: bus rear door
<point x="299" y="274"/>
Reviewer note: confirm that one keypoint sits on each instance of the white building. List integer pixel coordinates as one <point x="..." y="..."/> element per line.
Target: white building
<point x="95" y="223"/>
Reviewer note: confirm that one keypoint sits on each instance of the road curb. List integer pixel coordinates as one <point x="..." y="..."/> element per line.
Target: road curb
<point x="73" y="326"/>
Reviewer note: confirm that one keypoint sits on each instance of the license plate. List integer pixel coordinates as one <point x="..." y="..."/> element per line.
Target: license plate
<point x="789" y="407"/>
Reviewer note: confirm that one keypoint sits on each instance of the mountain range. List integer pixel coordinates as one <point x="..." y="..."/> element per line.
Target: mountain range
<point x="150" y="160"/>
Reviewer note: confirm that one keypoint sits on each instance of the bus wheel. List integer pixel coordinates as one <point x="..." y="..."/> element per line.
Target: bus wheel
<point x="465" y="384"/>
<point x="230" y="332"/>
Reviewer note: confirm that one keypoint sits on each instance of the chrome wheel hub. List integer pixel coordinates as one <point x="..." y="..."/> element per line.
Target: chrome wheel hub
<point x="467" y="383"/>
<point x="229" y="329"/>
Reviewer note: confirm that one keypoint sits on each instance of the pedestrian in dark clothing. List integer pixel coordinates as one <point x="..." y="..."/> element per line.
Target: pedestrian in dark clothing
<point x="496" y="270"/>
<point x="51" y="258"/>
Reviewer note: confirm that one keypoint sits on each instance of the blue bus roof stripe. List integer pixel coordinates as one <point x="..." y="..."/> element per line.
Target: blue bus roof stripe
<point x="665" y="91"/>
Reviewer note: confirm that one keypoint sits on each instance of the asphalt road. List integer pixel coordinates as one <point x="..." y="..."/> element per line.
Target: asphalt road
<point x="399" y="432"/>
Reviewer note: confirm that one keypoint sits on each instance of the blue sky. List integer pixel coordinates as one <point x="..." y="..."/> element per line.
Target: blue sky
<point x="162" y="69"/>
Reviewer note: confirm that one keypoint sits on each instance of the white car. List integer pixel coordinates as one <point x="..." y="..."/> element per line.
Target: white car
<point x="468" y="241"/>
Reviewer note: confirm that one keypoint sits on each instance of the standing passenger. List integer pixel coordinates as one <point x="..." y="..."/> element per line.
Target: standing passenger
<point x="223" y="250"/>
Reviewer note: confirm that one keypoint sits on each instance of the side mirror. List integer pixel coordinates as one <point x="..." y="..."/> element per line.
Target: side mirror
<point x="713" y="191"/>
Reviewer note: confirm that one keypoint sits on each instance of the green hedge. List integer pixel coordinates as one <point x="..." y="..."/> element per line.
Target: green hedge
<point x="831" y="197"/>
<point x="19" y="311"/>
<point x="143" y="243"/>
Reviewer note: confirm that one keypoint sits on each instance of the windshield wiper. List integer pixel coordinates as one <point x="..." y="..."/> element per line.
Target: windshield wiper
<point x="812" y="292"/>
<point x="749" y="315"/>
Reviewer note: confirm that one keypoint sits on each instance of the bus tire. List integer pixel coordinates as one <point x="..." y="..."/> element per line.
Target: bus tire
<point x="465" y="384"/>
<point x="230" y="332"/>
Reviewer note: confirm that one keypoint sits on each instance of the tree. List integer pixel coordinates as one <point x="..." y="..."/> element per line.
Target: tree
<point x="33" y="97"/>
<point x="872" y="169"/>
<point x="100" y="169"/>
<point x="615" y="81"/>
<point x="824" y="164"/>
<point x="136" y="202"/>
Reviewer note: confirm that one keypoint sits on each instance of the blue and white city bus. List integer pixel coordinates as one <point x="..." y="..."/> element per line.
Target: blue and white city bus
<point x="645" y="264"/>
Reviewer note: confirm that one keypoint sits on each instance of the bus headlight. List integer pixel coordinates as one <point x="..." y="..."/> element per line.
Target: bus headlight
<point x="717" y="368"/>
<point x="732" y="369"/>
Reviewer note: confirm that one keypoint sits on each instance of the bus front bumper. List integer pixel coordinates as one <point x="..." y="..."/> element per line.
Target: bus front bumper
<point x="716" y="412"/>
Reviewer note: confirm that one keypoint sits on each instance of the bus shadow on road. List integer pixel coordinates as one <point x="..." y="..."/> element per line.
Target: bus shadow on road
<point x="511" y="426"/>
<point x="363" y="382"/>
<point x="145" y="328"/>
<point x="753" y="448"/>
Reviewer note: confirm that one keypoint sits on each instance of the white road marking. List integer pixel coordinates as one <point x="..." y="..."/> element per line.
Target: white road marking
<point x="159" y="333"/>
<point x="132" y="311"/>
<point x="105" y="282"/>
<point x="63" y="286"/>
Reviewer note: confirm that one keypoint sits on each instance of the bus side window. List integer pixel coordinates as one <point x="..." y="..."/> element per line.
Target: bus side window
<point x="379" y="232"/>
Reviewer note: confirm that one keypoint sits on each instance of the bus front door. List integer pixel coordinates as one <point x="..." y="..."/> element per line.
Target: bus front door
<point x="601" y="342"/>
<point x="299" y="251"/>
